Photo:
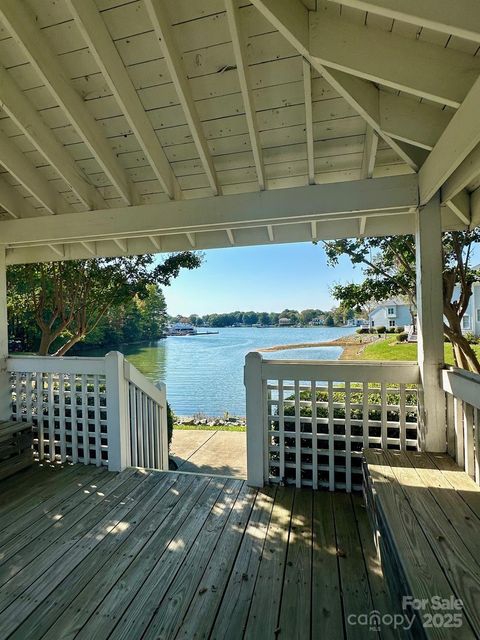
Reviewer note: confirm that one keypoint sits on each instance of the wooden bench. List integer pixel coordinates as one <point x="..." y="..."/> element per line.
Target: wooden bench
<point x="16" y="451"/>
<point x="426" y="515"/>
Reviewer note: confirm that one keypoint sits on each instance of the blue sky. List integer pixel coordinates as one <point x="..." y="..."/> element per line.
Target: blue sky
<point x="265" y="278"/>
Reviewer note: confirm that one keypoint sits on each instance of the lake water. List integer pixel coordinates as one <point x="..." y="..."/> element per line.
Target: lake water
<point x="204" y="374"/>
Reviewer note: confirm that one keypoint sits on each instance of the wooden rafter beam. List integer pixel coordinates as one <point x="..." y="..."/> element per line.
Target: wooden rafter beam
<point x="162" y="28"/>
<point x="103" y="49"/>
<point x="460" y="138"/>
<point x="460" y="205"/>
<point x="420" y="68"/>
<point x="291" y="18"/>
<point x="460" y="18"/>
<point x="239" y="50"/>
<point x="463" y="175"/>
<point x="307" y="90"/>
<point x="369" y="153"/>
<point x="22" y="25"/>
<point x="28" y="175"/>
<point x="14" y="203"/>
<point x="28" y="120"/>
<point x="334" y="201"/>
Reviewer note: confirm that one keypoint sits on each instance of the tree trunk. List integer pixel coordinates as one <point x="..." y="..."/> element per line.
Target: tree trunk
<point x="465" y="356"/>
<point x="68" y="345"/>
<point x="45" y="342"/>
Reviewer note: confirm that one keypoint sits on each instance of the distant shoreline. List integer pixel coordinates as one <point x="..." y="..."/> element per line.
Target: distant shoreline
<point x="352" y="345"/>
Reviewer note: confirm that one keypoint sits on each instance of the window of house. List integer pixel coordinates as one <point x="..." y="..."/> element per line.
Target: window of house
<point x="466" y="322"/>
<point x="391" y="323"/>
<point x="391" y="311"/>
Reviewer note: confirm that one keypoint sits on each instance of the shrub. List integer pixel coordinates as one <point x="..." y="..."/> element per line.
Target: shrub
<point x="170" y="423"/>
<point x="400" y="329"/>
<point x="391" y="330"/>
<point x="402" y="337"/>
<point x="471" y="338"/>
<point x="363" y="330"/>
<point x="381" y="329"/>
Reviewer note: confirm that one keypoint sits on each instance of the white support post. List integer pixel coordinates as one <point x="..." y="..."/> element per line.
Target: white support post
<point x="164" y="453"/>
<point x="429" y="267"/>
<point x="5" y="403"/>
<point x="256" y="431"/>
<point x="118" y="430"/>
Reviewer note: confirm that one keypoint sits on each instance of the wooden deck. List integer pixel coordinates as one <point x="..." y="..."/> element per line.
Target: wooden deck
<point x="85" y="553"/>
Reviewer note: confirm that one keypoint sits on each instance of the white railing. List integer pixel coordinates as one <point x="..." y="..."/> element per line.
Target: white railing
<point x="462" y="390"/>
<point x="90" y="410"/>
<point x="308" y="421"/>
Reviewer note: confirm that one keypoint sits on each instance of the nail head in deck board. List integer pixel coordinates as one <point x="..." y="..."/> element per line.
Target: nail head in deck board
<point x="327" y="615"/>
<point x="116" y="547"/>
<point x="232" y="617"/>
<point x="171" y="609"/>
<point x="263" y="615"/>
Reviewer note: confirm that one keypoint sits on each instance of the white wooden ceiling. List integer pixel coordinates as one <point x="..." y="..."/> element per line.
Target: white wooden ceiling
<point x="114" y="103"/>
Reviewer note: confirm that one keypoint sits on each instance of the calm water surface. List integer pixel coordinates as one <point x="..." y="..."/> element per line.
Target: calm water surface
<point x="204" y="374"/>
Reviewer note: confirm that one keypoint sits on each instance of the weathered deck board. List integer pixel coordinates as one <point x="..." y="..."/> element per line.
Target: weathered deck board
<point x="172" y="555"/>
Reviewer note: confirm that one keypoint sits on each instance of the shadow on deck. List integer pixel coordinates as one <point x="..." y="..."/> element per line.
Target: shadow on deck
<point x="87" y="553"/>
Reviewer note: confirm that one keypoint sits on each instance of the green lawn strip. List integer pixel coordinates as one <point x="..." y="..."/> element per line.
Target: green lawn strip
<point x="206" y="427"/>
<point x="390" y="349"/>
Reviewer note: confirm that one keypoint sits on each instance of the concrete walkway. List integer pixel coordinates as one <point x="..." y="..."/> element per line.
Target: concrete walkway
<point x="214" y="452"/>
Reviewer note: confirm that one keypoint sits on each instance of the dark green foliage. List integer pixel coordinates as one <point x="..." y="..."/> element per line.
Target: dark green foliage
<point x="381" y="329"/>
<point x="170" y="423"/>
<point x="402" y="337"/>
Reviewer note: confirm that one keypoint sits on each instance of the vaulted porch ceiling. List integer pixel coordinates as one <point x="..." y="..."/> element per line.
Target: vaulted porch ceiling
<point x="125" y="125"/>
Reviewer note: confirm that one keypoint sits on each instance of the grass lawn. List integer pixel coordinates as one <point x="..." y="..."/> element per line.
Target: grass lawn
<point x="390" y="349"/>
<point x="206" y="427"/>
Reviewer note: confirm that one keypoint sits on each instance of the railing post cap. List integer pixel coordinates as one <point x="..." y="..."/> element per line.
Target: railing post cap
<point x="253" y="356"/>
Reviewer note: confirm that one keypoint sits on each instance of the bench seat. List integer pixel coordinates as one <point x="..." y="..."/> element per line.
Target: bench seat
<point x="425" y="512"/>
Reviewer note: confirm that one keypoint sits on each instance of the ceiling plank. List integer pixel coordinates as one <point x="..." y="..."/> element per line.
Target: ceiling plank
<point x="14" y="203"/>
<point x="22" y="25"/>
<point x="28" y="175"/>
<point x="460" y="18"/>
<point x="460" y="138"/>
<point x="239" y="50"/>
<point x="256" y="209"/>
<point x="29" y="121"/>
<point x="179" y="78"/>
<point x="103" y="49"/>
<point x="307" y="89"/>
<point x="291" y="18"/>
<point x="369" y="153"/>
<point x="417" y="67"/>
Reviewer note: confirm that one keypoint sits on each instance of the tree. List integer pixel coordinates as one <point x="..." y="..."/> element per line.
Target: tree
<point x="69" y="299"/>
<point x="389" y="268"/>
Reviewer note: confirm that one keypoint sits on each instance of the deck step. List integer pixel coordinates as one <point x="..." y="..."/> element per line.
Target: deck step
<point x="426" y="515"/>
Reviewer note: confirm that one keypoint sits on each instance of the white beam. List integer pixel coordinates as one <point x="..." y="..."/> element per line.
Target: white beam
<point x="417" y="123"/>
<point x="307" y="89"/>
<point x="28" y="175"/>
<point x="59" y="249"/>
<point x="369" y="153"/>
<point x="362" y="226"/>
<point x="14" y="203"/>
<point x="417" y="67"/>
<point x="460" y="137"/>
<point x="191" y="239"/>
<point x="429" y="267"/>
<point x="271" y="234"/>
<point x="313" y="228"/>
<point x="460" y="205"/>
<point x="291" y="18"/>
<point x="161" y="25"/>
<point x="23" y="26"/>
<point x="90" y="247"/>
<point x="258" y="209"/>
<point x="460" y="18"/>
<point x="105" y="53"/>
<point x="121" y="244"/>
<point x="239" y="50"/>
<point x="156" y="242"/>
<point x="27" y="119"/>
<point x="230" y="236"/>
<point x="463" y="175"/>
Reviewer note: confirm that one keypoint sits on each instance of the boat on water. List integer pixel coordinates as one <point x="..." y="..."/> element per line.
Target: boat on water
<point x="186" y="329"/>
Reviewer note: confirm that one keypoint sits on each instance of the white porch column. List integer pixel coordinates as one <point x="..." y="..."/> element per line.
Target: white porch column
<point x="5" y="409"/>
<point x="256" y="428"/>
<point x="429" y="267"/>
